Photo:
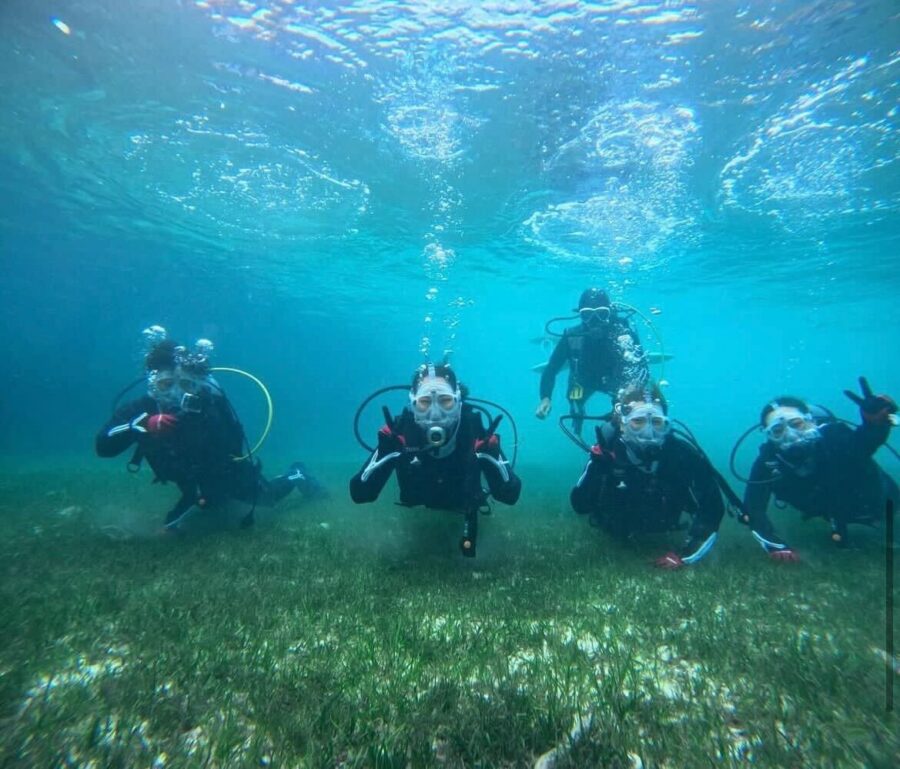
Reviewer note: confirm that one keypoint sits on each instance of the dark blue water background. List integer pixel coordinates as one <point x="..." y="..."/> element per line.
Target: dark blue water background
<point x="328" y="189"/>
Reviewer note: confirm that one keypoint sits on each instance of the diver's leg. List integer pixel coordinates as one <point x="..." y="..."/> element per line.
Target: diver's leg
<point x="249" y="485"/>
<point x="304" y="482"/>
<point x="185" y="502"/>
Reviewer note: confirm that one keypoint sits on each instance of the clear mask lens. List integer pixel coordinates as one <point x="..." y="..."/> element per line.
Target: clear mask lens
<point x="790" y="429"/>
<point x="647" y="418"/>
<point x="638" y="423"/>
<point x="594" y="314"/>
<point x="443" y="401"/>
<point x="175" y="389"/>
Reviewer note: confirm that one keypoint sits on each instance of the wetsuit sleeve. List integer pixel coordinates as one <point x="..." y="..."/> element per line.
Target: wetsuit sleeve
<point x="114" y="437"/>
<point x="631" y="367"/>
<point x="756" y="503"/>
<point x="503" y="483"/>
<point x="711" y="507"/>
<point x="710" y="510"/>
<point x="367" y="484"/>
<point x="869" y="437"/>
<point x="588" y="488"/>
<point x="554" y="366"/>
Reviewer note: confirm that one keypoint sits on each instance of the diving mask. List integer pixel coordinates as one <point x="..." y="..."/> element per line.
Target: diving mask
<point x="789" y="426"/>
<point x="594" y="316"/>
<point x="436" y="407"/>
<point x="175" y="389"/>
<point x="644" y="426"/>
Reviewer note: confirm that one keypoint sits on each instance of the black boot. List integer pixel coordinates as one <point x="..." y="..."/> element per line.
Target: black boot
<point x="308" y="486"/>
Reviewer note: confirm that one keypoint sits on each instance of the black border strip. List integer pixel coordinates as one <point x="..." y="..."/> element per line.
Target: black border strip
<point x="889" y="605"/>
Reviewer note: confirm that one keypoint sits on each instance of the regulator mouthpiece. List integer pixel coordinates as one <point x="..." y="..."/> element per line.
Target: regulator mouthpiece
<point x="191" y="403"/>
<point x="436" y="436"/>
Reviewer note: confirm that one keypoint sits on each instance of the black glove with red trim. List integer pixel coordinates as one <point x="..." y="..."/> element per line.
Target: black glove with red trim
<point x="874" y="409"/>
<point x="670" y="561"/>
<point x="491" y="446"/>
<point x="785" y="555"/>
<point x="602" y="459"/>
<point x="389" y="441"/>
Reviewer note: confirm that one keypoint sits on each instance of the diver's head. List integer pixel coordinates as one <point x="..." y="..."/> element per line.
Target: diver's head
<point x="176" y="389"/>
<point x="594" y="308"/>
<point x="641" y="413"/>
<point x="789" y="426"/>
<point x="436" y="402"/>
<point x="176" y="379"/>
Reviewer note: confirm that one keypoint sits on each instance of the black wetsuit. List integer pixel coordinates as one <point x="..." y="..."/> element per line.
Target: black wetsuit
<point x="604" y="359"/>
<point x="838" y="480"/>
<point x="450" y="483"/>
<point x="197" y="455"/>
<point x="627" y="499"/>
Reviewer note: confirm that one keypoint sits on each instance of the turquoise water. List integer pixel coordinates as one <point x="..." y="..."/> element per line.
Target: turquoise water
<point x="325" y="189"/>
<point x="333" y="192"/>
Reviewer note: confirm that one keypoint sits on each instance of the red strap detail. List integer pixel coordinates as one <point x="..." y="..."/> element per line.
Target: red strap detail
<point x="387" y="432"/>
<point x="492" y="443"/>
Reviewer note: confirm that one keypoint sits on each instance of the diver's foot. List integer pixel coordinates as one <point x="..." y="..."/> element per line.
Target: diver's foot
<point x="168" y="532"/>
<point x="308" y="486"/>
<point x="467" y="546"/>
<point x="296" y="473"/>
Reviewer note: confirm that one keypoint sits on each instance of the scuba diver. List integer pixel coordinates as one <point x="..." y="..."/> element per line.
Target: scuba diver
<point x="641" y="477"/>
<point x="820" y="465"/>
<point x="603" y="353"/>
<point x="440" y="449"/>
<point x="187" y="430"/>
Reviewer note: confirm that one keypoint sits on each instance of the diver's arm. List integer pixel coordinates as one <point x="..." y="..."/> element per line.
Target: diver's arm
<point x="554" y="366"/>
<point x="123" y="429"/>
<point x="710" y="510"/>
<point x="756" y="502"/>
<point x="367" y="484"/>
<point x="503" y="483"/>
<point x="877" y="414"/>
<point x="585" y="495"/>
<point x="870" y="436"/>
